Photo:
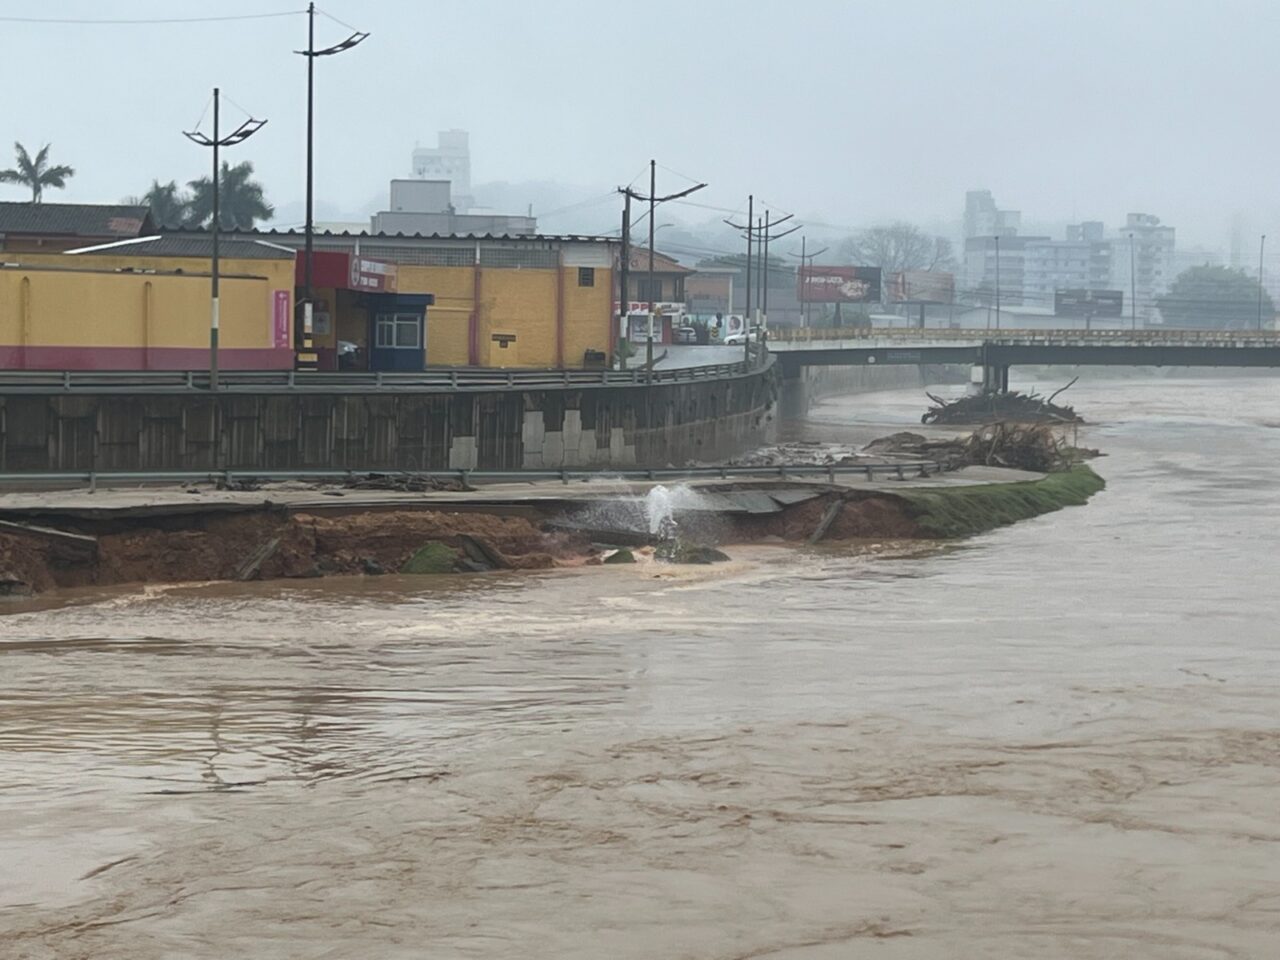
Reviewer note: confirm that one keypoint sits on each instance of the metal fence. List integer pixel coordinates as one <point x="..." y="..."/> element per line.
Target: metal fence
<point x="929" y="334"/>
<point x="900" y="470"/>
<point x="294" y="381"/>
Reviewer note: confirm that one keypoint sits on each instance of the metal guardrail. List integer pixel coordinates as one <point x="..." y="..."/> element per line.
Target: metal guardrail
<point x="94" y="479"/>
<point x="453" y="380"/>
<point x="1244" y="338"/>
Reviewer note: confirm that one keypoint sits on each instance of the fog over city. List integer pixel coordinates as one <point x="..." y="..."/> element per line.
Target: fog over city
<point x="846" y="114"/>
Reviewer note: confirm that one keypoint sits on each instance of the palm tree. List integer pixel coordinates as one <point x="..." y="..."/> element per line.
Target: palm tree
<point x="241" y="202"/>
<point x="36" y="174"/>
<point x="169" y="208"/>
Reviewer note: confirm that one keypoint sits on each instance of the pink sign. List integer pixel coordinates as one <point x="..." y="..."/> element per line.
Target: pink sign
<point x="280" y="318"/>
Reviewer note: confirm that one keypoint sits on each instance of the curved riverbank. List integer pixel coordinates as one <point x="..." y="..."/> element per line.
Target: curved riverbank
<point x="272" y="542"/>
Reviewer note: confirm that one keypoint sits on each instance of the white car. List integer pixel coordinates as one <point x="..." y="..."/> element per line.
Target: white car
<point x="737" y="339"/>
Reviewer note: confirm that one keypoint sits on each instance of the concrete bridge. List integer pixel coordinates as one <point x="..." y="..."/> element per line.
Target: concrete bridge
<point x="995" y="351"/>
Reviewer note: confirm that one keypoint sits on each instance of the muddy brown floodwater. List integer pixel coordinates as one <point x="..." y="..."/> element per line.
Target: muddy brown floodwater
<point x="1058" y="740"/>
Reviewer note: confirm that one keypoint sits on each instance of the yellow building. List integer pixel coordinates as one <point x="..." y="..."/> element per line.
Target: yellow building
<point x="380" y="302"/>
<point x="145" y="305"/>
<point x="531" y="302"/>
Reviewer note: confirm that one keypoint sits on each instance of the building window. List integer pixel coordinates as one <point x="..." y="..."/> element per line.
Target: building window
<point x="586" y="276"/>
<point x="398" y="331"/>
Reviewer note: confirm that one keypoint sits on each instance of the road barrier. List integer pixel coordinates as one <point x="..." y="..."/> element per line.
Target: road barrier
<point x="93" y="479"/>
<point x="297" y="381"/>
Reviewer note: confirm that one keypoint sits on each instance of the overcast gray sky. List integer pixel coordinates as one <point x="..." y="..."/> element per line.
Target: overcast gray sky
<point x="847" y="111"/>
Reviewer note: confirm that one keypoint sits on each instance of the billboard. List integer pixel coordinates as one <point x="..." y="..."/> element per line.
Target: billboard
<point x="922" y="286"/>
<point x="838" y="285"/>
<point x="1088" y="303"/>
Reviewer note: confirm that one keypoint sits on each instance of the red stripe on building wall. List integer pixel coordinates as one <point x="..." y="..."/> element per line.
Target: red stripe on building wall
<point x="560" y="313"/>
<point x="473" y="326"/>
<point x="143" y="358"/>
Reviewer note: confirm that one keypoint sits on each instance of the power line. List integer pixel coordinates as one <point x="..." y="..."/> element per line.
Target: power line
<point x="117" y="21"/>
<point x="341" y="23"/>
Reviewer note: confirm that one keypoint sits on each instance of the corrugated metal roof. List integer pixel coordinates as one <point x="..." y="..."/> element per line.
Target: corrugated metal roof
<point x="195" y="246"/>
<point x="297" y="236"/>
<point x="74" y="219"/>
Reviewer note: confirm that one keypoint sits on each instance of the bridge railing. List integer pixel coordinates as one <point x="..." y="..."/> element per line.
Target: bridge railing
<point x="1022" y="335"/>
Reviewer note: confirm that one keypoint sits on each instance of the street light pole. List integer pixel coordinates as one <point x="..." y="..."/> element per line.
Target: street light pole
<point x="1261" y="246"/>
<point x="654" y="200"/>
<point x="307" y="356"/>
<point x="803" y="284"/>
<point x="238" y="135"/>
<point x="653" y="300"/>
<point x="1133" y="287"/>
<point x="765" y="237"/>
<point x="997" y="281"/>
<point x="213" y="315"/>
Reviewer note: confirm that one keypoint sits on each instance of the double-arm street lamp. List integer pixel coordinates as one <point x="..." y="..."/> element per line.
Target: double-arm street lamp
<point x="238" y="135"/>
<point x="653" y="200"/>
<point x="307" y="354"/>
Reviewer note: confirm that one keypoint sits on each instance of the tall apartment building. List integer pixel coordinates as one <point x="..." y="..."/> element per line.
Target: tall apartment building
<point x="982" y="218"/>
<point x="449" y="160"/>
<point x="1148" y="246"/>
<point x="988" y="259"/>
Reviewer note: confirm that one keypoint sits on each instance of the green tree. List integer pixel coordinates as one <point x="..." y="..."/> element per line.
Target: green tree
<point x="36" y="174"/>
<point x="1216" y="298"/>
<point x="169" y="206"/>
<point x="241" y="201"/>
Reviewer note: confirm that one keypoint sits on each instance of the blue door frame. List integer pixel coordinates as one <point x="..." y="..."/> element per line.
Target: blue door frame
<point x="398" y="330"/>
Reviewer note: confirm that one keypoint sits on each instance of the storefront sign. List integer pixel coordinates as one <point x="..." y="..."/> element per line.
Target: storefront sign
<point x="372" y="276"/>
<point x="280" y="319"/>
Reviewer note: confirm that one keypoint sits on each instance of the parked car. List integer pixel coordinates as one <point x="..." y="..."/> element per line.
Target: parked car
<point x="737" y="339"/>
<point x="686" y="335"/>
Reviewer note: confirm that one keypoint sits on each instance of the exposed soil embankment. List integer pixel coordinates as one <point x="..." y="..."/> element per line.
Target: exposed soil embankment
<point x="269" y="545"/>
<point x="932" y="513"/>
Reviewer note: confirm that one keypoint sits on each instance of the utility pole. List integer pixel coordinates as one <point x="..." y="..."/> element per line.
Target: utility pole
<point x="759" y="264"/>
<point x="653" y="295"/>
<point x="307" y="356"/>
<point x="624" y="296"/>
<point x="653" y="200"/>
<point x="238" y="135"/>
<point x="759" y="233"/>
<point x="746" y="316"/>
<point x="1261" y="246"/>
<point x="1133" y="287"/>
<point x="805" y="257"/>
<point x="765" y="237"/>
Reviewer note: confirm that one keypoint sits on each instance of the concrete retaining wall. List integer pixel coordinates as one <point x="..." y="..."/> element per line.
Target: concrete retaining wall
<point x="813" y="383"/>
<point x="616" y="426"/>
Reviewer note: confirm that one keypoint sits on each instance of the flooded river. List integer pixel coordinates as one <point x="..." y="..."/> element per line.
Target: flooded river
<point x="1058" y="740"/>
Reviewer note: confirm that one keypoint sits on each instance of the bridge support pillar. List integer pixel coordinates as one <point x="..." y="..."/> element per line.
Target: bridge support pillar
<point x="989" y="378"/>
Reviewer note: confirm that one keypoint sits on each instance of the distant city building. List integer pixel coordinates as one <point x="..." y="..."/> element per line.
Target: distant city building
<point x="449" y="160"/>
<point x="983" y="218"/>
<point x="988" y="259"/>
<point x="1033" y="270"/>
<point x="1154" y="262"/>
<point x="426" y="208"/>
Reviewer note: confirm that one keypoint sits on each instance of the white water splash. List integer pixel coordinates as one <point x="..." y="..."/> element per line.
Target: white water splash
<point x="662" y="503"/>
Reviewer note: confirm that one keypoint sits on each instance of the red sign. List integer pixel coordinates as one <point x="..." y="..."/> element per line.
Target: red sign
<point x="280" y="318"/>
<point x="838" y="285"/>
<point x="374" y="276"/>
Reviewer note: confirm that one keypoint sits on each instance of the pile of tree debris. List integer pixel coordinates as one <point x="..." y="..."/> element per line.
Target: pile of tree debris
<point x="992" y="407"/>
<point x="1023" y="446"/>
